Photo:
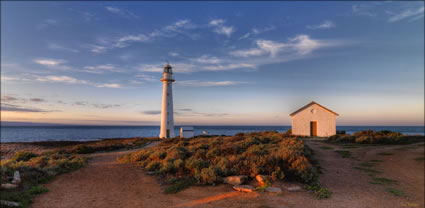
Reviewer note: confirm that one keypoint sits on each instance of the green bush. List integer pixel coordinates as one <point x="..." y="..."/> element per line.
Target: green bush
<point x="23" y="156"/>
<point x="372" y="137"/>
<point x="209" y="160"/>
<point x="82" y="149"/>
<point x="34" y="170"/>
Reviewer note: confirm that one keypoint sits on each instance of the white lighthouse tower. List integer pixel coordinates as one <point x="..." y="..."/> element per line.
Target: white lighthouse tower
<point x="167" y="113"/>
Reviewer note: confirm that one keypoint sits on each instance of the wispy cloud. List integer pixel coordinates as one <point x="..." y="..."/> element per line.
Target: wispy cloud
<point x="174" y="54"/>
<point x="100" y="69"/>
<point x="22" y="109"/>
<point x="362" y="10"/>
<point x="14" y="99"/>
<point x="229" y="66"/>
<point x="151" y="112"/>
<point x="264" y="52"/>
<point x="9" y="98"/>
<point x="179" y="27"/>
<point x="257" y="31"/>
<point x="301" y="44"/>
<point x="37" y="100"/>
<point x="58" y="47"/>
<point x="408" y="13"/>
<point x="198" y="83"/>
<point x="221" y="28"/>
<point x="324" y="25"/>
<point x="123" y="12"/>
<point x="46" y="23"/>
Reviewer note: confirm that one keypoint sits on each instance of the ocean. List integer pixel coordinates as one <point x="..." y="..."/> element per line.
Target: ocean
<point x="89" y="133"/>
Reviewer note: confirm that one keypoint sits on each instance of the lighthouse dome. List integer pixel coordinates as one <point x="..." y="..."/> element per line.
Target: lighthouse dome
<point x="168" y="68"/>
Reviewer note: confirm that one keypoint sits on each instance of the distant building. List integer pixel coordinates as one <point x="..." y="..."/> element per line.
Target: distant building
<point x="313" y="120"/>
<point x="167" y="112"/>
<point x="187" y="132"/>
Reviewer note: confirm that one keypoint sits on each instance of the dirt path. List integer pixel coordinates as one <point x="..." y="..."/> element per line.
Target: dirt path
<point x="106" y="183"/>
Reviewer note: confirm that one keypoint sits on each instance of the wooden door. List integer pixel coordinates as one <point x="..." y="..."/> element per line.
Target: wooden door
<point x="313" y="128"/>
<point x="168" y="133"/>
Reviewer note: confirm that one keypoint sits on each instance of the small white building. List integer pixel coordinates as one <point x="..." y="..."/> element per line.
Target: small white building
<point x="313" y="120"/>
<point x="187" y="132"/>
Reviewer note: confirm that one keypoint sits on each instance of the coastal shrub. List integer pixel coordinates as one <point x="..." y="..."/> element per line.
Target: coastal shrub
<point x="35" y="169"/>
<point x="372" y="137"/>
<point x="23" y="156"/>
<point x="82" y="149"/>
<point x="207" y="161"/>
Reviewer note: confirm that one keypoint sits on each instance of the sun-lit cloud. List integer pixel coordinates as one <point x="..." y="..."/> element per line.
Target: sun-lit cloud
<point x="301" y="44"/>
<point x="110" y="85"/>
<point x="324" y="25"/>
<point x="49" y="62"/>
<point x="220" y="27"/>
<point x="63" y="79"/>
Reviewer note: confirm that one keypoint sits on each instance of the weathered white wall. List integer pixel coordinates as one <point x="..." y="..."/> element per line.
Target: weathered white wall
<point x="167" y="112"/>
<point x="326" y="124"/>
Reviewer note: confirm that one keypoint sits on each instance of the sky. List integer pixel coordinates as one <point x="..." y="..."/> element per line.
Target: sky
<point x="235" y="63"/>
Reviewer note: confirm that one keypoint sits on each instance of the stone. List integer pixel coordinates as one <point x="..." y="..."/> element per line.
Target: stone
<point x="8" y="186"/>
<point x="151" y="173"/>
<point x="273" y="190"/>
<point x="244" y="188"/>
<point x="294" y="188"/>
<point x="236" y="180"/>
<point x="9" y="203"/>
<point x="16" y="177"/>
<point x="263" y="180"/>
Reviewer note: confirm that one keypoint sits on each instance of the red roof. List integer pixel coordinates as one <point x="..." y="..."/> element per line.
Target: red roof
<point x="308" y="105"/>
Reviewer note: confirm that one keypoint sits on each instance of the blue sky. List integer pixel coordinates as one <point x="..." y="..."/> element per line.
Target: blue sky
<point x="235" y="63"/>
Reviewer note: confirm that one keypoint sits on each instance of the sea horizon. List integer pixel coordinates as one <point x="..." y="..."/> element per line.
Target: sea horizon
<point x="97" y="132"/>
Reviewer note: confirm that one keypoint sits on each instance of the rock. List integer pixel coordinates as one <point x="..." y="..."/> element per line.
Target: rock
<point x="243" y="188"/>
<point x="16" y="177"/>
<point x="9" y="203"/>
<point x="8" y="186"/>
<point x="236" y="180"/>
<point x="273" y="190"/>
<point x="263" y="180"/>
<point x="294" y="188"/>
<point x="151" y="173"/>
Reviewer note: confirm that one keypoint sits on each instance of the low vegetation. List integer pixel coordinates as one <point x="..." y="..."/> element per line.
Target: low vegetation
<point x="204" y="161"/>
<point x="344" y="153"/>
<point x="396" y="192"/>
<point x="106" y="145"/>
<point x="379" y="137"/>
<point x="382" y="181"/>
<point x="35" y="169"/>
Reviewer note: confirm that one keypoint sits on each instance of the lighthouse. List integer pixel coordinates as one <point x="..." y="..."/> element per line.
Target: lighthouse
<point x="167" y="113"/>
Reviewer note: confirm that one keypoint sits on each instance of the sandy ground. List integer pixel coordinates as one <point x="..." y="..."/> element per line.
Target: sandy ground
<point x="106" y="183"/>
